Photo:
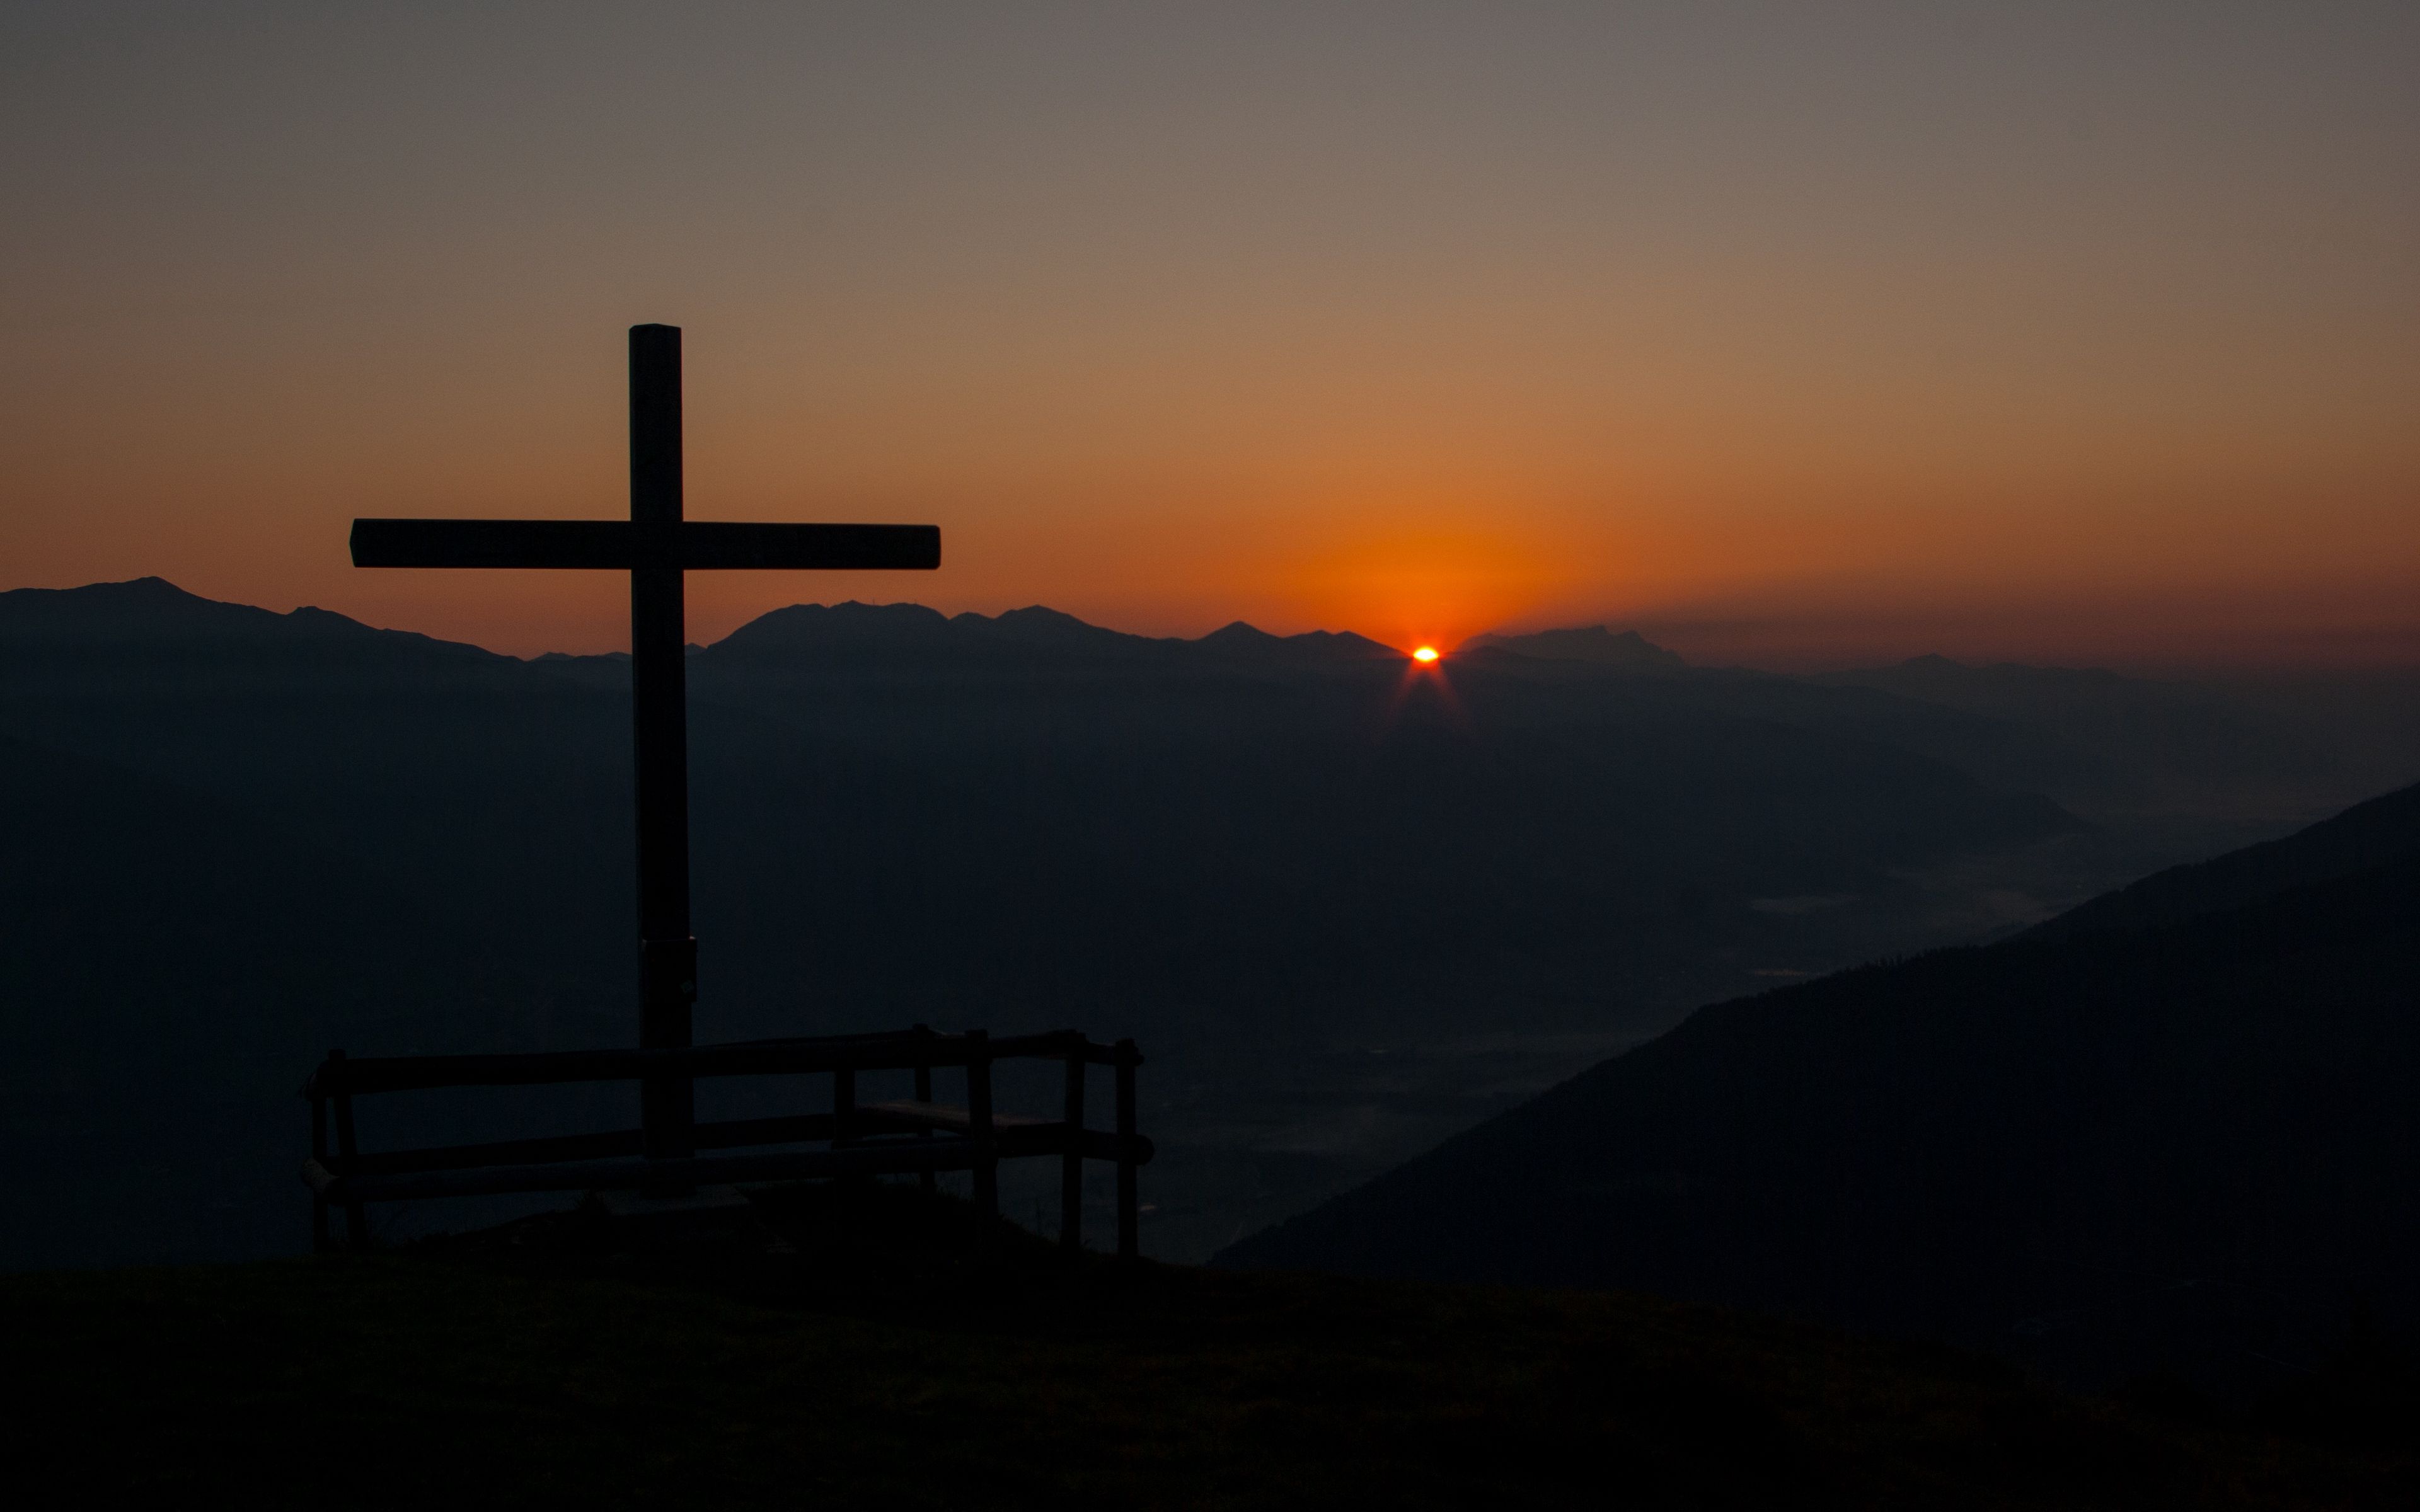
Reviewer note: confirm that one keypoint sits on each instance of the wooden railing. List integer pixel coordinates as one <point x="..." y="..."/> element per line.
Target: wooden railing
<point x="916" y="1135"/>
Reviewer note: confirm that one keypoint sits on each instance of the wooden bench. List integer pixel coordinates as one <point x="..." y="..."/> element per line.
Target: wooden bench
<point x="916" y="1135"/>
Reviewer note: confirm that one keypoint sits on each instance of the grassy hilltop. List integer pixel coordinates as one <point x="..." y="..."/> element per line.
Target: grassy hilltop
<point x="822" y="1356"/>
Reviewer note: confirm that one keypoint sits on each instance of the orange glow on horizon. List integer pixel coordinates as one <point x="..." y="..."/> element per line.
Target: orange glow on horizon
<point x="1842" y="353"/>
<point x="1425" y="654"/>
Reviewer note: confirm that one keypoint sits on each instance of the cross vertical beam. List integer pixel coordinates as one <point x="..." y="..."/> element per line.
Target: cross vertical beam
<point x="656" y="544"/>
<point x="660" y="691"/>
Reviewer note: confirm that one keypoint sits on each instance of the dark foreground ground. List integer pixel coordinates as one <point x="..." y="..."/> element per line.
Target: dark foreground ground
<point x="846" y="1349"/>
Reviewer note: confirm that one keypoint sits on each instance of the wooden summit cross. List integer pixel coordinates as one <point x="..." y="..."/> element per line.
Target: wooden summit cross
<point x="655" y="546"/>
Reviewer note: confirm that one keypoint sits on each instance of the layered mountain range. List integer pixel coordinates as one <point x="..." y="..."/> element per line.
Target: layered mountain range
<point x="1349" y="906"/>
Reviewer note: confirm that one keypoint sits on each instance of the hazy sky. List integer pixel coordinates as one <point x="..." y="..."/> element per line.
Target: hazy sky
<point x="1789" y="331"/>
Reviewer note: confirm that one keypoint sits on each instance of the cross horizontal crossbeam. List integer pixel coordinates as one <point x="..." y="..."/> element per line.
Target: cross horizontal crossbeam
<point x="655" y="546"/>
<point x="625" y="545"/>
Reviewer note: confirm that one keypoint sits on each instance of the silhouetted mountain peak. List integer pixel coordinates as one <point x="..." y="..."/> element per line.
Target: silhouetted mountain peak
<point x="869" y="634"/>
<point x="1238" y="633"/>
<point x="1037" y="620"/>
<point x="1343" y="645"/>
<point x="1595" y="644"/>
<point x="825" y="626"/>
<point x="141" y="609"/>
<point x="153" y="611"/>
<point x="925" y="636"/>
<point x="1038" y="626"/>
<point x="1243" y="641"/>
<point x="311" y="620"/>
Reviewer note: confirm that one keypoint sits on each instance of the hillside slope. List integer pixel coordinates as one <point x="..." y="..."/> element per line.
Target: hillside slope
<point x="2378" y="833"/>
<point x="2189" y="1146"/>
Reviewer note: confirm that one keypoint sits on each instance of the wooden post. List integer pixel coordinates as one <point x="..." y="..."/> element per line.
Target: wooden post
<point x="925" y="1094"/>
<point x="319" y="1241"/>
<point x="357" y="1228"/>
<point x="1071" y="1160"/>
<point x="979" y="1121"/>
<point x="844" y="1115"/>
<point x="660" y="724"/>
<point x="1130" y="1211"/>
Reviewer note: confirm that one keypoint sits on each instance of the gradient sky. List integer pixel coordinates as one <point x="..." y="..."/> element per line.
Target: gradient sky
<point x="1790" y="332"/>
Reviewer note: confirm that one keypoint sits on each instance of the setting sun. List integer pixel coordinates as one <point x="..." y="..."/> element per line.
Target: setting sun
<point x="1425" y="654"/>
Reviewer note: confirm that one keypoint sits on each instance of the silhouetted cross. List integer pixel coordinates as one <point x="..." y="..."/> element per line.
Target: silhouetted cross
<point x="655" y="546"/>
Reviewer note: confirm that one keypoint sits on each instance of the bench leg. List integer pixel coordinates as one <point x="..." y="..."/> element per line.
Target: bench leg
<point x="357" y="1223"/>
<point x="321" y="1242"/>
<point x="1129" y="1209"/>
<point x="979" y="1118"/>
<point x="1071" y="1163"/>
<point x="925" y="1094"/>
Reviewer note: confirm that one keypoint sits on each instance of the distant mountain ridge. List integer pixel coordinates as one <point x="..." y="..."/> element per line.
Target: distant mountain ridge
<point x="1594" y="645"/>
<point x="153" y="610"/>
<point x="2106" y="748"/>
<point x="1941" y="677"/>
<point x="2115" y="741"/>
<point x="150" y="610"/>
<point x="1254" y="853"/>
<point x="1593" y="650"/>
<point x="1248" y="851"/>
<point x="149" y="632"/>
<point x="820" y="631"/>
